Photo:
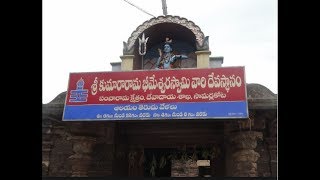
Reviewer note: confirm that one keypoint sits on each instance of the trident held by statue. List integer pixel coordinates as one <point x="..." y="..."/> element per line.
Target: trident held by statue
<point x="143" y="46"/>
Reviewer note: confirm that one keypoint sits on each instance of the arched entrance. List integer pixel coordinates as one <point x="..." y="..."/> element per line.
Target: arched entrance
<point x="187" y="39"/>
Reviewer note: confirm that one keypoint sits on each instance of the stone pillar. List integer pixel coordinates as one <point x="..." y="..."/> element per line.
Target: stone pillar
<point x="272" y="149"/>
<point x="46" y="149"/>
<point x="127" y="62"/>
<point x="203" y="59"/>
<point x="46" y="146"/>
<point x="243" y="156"/>
<point x="81" y="159"/>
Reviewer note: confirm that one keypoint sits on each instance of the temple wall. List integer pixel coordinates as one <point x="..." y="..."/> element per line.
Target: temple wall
<point x="109" y="154"/>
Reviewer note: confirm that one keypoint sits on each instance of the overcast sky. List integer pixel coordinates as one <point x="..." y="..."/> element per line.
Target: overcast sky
<point x="86" y="35"/>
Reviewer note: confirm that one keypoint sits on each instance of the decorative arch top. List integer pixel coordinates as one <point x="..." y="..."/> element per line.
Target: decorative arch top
<point x="202" y="42"/>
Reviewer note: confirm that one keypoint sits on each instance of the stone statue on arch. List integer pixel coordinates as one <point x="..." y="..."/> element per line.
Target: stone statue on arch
<point x="166" y="58"/>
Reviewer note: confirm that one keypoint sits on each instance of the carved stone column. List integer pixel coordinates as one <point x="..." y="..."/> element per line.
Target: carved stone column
<point x="203" y="59"/>
<point x="272" y="149"/>
<point x="127" y="62"/>
<point x="81" y="159"/>
<point x="46" y="146"/>
<point x="243" y="156"/>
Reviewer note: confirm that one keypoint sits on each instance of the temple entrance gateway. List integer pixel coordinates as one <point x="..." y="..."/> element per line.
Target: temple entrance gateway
<point x="175" y="144"/>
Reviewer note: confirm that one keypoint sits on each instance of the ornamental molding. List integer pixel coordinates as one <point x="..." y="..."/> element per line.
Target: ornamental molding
<point x="201" y="41"/>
